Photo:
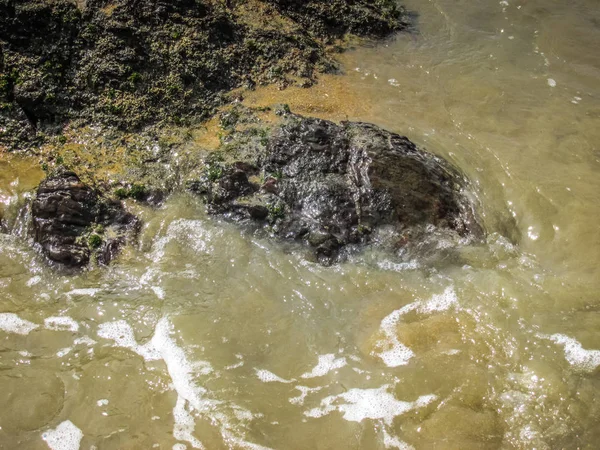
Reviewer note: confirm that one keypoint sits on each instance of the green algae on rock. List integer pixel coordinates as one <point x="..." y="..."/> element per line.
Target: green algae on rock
<point x="127" y="63"/>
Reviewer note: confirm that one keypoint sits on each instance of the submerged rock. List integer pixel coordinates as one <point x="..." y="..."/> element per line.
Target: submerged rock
<point x="337" y="187"/>
<point x="71" y="221"/>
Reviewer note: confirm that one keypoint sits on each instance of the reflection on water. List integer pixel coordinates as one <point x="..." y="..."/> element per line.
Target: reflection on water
<point x="206" y="337"/>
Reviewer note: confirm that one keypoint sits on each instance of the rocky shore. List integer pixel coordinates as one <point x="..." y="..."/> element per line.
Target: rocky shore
<point x="95" y="88"/>
<point x="333" y="189"/>
<point x="129" y="63"/>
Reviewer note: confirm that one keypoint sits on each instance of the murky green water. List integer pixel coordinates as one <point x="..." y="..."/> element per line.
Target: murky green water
<point x="205" y="337"/>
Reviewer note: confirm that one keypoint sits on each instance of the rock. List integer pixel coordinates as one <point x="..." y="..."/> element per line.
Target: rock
<point x="130" y="63"/>
<point x="70" y="221"/>
<point x="335" y="187"/>
<point x="258" y="212"/>
<point x="336" y="17"/>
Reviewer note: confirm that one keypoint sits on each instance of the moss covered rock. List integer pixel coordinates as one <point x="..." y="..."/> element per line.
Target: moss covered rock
<point x="129" y="63"/>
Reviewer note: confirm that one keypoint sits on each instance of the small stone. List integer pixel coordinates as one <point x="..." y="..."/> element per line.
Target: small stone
<point x="318" y="237"/>
<point x="270" y="185"/>
<point x="243" y="166"/>
<point x="258" y="212"/>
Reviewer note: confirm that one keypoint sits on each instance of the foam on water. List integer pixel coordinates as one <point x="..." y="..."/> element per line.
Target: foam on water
<point x="87" y="291"/>
<point x="439" y="302"/>
<point x="360" y="404"/>
<point x="64" y="351"/>
<point x="84" y="340"/>
<point x="326" y="364"/>
<point x="192" y="232"/>
<point x="390" y="441"/>
<point x="398" y="267"/>
<point x="394" y="352"/>
<point x="62" y="323"/>
<point x="158" y="291"/>
<point x="304" y="391"/>
<point x="182" y="374"/>
<point x="192" y="399"/>
<point x="184" y="424"/>
<point x="582" y="359"/>
<point x="248" y="445"/>
<point x="122" y="333"/>
<point x="179" y="368"/>
<point x="11" y="323"/>
<point x="66" y="436"/>
<point x="240" y="363"/>
<point x="269" y="377"/>
<point x="33" y="281"/>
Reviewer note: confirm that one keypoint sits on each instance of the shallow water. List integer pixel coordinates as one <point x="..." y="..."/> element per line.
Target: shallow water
<point x="203" y="336"/>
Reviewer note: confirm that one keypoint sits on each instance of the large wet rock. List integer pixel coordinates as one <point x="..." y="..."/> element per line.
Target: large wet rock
<point x="72" y="221"/>
<point x="130" y="63"/>
<point x="338" y="187"/>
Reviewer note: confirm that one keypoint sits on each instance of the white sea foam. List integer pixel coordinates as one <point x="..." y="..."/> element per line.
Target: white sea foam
<point x="192" y="232"/>
<point x="234" y="366"/>
<point x="398" y="267"/>
<point x="62" y="323"/>
<point x="184" y="424"/>
<point x="451" y="352"/>
<point x="122" y="333"/>
<point x="326" y="364"/>
<point x="158" y="291"/>
<point x="269" y="377"/>
<point x="179" y="368"/>
<point x="192" y="399"/>
<point x="33" y="281"/>
<point x="11" y="323"/>
<point x="190" y="396"/>
<point x="243" y="415"/>
<point x="394" y="353"/>
<point x="66" y="436"/>
<point x="84" y="340"/>
<point x="162" y="346"/>
<point x="304" y="391"/>
<point x="360" y="404"/>
<point x="390" y="441"/>
<point x="576" y="355"/>
<point x="237" y="442"/>
<point x="437" y="302"/>
<point x="64" y="351"/>
<point x="87" y="291"/>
